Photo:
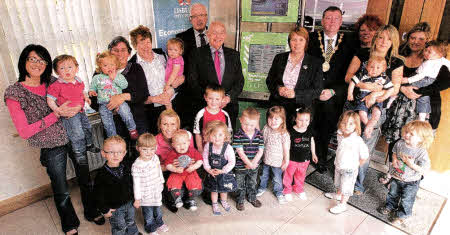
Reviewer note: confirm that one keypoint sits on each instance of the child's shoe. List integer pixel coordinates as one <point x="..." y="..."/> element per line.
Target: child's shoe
<point x="163" y="228"/>
<point x="331" y="196"/>
<point x="154" y="233"/>
<point x="357" y="193"/>
<point x="281" y="199"/>
<point x="384" y="210"/>
<point x="399" y="222"/>
<point x="339" y="208"/>
<point x="178" y="202"/>
<point x="303" y="196"/>
<point x="256" y="203"/>
<point x="240" y="206"/>
<point x="215" y="207"/>
<point x="225" y="205"/>
<point x="260" y="192"/>
<point x="91" y="148"/>
<point x="192" y="205"/>
<point x="134" y="135"/>
<point x="288" y="197"/>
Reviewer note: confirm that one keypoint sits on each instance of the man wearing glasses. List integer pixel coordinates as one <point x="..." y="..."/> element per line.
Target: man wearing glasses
<point x="193" y="37"/>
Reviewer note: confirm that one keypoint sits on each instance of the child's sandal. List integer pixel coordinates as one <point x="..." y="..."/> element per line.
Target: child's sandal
<point x="215" y="207"/>
<point x="384" y="179"/>
<point x="225" y="205"/>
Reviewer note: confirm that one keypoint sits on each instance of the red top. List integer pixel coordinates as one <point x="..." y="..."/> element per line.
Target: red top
<point x="164" y="148"/>
<point x="207" y="117"/>
<point x="192" y="153"/>
<point x="62" y="91"/>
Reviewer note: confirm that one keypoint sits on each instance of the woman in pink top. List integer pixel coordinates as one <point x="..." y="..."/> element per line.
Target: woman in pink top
<point x="168" y="124"/>
<point x="42" y="128"/>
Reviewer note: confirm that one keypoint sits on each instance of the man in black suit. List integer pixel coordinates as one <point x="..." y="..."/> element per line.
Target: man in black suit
<point x="335" y="51"/>
<point x="192" y="38"/>
<point x="216" y="64"/>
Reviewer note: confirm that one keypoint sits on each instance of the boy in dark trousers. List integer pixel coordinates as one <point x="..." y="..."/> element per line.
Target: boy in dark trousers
<point x="114" y="188"/>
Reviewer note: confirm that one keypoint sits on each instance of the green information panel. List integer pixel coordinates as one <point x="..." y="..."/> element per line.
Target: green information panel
<point x="257" y="52"/>
<point x="270" y="10"/>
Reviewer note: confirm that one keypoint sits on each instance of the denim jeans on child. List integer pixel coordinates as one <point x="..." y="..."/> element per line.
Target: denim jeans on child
<point x="423" y="102"/>
<point x="122" y="220"/>
<point x="55" y="160"/>
<point x="371" y="143"/>
<point x="246" y="184"/>
<point x="108" y="121"/>
<point x="276" y="180"/>
<point x="401" y="197"/>
<point x="79" y="131"/>
<point x="152" y="218"/>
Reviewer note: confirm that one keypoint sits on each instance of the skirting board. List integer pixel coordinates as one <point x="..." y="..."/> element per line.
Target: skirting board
<point x="22" y="200"/>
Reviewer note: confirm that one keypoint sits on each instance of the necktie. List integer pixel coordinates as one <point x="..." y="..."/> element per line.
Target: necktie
<point x="217" y="66"/>
<point x="329" y="51"/>
<point x="202" y="39"/>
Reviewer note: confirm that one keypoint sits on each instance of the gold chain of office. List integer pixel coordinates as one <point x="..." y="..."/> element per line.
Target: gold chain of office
<point x="326" y="64"/>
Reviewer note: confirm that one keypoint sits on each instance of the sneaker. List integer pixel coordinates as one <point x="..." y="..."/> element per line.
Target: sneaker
<point x="302" y="196"/>
<point x="154" y="233"/>
<point x="240" y="206"/>
<point x="91" y="148"/>
<point x="357" y="193"/>
<point x="225" y="205"/>
<point x="216" y="210"/>
<point x="288" y="197"/>
<point x="178" y="202"/>
<point x="134" y="135"/>
<point x="331" y="196"/>
<point x="163" y="228"/>
<point x="260" y="192"/>
<point x="256" y="203"/>
<point x="339" y="208"/>
<point x="281" y="199"/>
<point x="397" y="221"/>
<point x="384" y="210"/>
<point x="192" y="205"/>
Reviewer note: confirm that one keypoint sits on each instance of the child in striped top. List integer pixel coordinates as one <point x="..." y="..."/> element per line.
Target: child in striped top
<point x="148" y="184"/>
<point x="248" y="143"/>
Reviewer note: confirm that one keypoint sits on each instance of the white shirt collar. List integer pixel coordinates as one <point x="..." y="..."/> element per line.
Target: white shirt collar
<point x="140" y="60"/>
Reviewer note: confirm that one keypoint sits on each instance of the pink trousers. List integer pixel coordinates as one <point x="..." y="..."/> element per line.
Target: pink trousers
<point x="295" y="171"/>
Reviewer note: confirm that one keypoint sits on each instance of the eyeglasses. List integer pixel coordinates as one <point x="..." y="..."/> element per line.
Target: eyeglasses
<point x="113" y="153"/>
<point x="123" y="50"/>
<point x="35" y="60"/>
<point x="197" y="16"/>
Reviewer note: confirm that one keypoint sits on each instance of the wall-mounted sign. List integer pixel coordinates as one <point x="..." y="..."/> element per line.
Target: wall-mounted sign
<point x="270" y="10"/>
<point x="172" y="17"/>
<point x="257" y="52"/>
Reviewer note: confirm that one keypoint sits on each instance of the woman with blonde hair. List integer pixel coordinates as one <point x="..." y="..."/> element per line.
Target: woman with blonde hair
<point x="385" y="44"/>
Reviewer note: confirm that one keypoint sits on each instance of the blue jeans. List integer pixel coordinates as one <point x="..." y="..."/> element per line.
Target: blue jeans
<point x="55" y="160"/>
<point x="108" y="122"/>
<point x="122" y="220"/>
<point x="401" y="197"/>
<point x="79" y="131"/>
<point x="152" y="218"/>
<point x="277" y="180"/>
<point x="423" y="103"/>
<point x="371" y="143"/>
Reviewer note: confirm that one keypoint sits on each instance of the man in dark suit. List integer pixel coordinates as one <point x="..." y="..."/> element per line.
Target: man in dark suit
<point x="335" y="51"/>
<point x="216" y="64"/>
<point x="192" y="38"/>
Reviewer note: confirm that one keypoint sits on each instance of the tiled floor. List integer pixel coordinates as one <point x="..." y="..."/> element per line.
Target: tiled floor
<point x="297" y="217"/>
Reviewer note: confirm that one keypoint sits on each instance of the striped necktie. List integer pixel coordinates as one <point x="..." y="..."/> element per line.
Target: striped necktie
<point x="329" y="51"/>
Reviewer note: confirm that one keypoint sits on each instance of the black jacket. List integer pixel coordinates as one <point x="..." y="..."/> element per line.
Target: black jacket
<point x="111" y="192"/>
<point x="201" y="72"/>
<point x="309" y="84"/>
<point x="335" y="77"/>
